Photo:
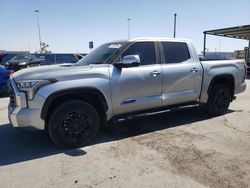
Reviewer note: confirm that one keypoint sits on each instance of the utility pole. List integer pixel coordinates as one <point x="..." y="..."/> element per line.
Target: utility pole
<point x="175" y="25"/>
<point x="128" y="28"/>
<point x="204" y="43"/>
<point x="39" y="32"/>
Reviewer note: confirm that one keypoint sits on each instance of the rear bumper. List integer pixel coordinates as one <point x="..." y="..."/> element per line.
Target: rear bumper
<point x="4" y="88"/>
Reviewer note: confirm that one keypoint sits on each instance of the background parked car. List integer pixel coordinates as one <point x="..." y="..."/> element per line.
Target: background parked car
<point x="4" y="76"/>
<point x="60" y="58"/>
<point x="22" y="61"/>
<point x="5" y="56"/>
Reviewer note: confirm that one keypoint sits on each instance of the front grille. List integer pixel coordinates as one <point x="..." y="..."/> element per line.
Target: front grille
<point x="11" y="95"/>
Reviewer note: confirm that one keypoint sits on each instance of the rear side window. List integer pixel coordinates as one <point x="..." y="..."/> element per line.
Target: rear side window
<point x="65" y="58"/>
<point x="145" y="50"/>
<point x="175" y="52"/>
<point x="49" y="59"/>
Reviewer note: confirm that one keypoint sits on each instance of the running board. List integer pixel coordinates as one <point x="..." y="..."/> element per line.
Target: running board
<point x="139" y="114"/>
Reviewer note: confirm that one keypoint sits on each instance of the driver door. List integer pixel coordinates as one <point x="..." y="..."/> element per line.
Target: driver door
<point x="139" y="87"/>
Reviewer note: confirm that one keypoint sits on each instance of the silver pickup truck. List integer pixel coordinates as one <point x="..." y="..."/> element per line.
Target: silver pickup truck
<point x="118" y="81"/>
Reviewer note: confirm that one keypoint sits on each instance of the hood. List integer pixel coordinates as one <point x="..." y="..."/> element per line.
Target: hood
<point x="61" y="72"/>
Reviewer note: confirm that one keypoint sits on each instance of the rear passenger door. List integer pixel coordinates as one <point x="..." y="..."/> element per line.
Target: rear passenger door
<point x="182" y="73"/>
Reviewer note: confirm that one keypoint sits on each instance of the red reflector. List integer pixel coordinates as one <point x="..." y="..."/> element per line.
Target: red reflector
<point x="9" y="73"/>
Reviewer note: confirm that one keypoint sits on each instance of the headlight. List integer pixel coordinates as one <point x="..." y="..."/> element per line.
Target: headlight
<point x="22" y="64"/>
<point x="30" y="87"/>
<point x="7" y="63"/>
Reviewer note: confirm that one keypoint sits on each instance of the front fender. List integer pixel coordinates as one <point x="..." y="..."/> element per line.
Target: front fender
<point x="99" y="84"/>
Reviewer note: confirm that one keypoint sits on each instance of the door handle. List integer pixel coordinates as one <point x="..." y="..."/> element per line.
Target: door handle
<point x="194" y="69"/>
<point x="155" y="73"/>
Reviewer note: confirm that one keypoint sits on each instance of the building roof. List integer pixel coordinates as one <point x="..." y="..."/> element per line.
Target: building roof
<point x="145" y="39"/>
<point x="239" y="32"/>
<point x="158" y="39"/>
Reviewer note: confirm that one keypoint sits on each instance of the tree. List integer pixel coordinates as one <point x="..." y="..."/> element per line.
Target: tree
<point x="44" y="48"/>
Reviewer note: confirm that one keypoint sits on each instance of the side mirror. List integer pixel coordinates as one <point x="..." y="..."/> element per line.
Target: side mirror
<point x="129" y="61"/>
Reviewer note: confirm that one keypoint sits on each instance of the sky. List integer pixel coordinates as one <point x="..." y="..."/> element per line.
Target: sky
<point x="69" y="25"/>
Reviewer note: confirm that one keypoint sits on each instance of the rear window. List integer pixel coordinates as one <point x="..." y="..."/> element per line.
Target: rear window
<point x="175" y="52"/>
<point x="6" y="58"/>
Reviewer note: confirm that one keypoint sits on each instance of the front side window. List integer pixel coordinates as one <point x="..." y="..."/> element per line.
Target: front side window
<point x="145" y="50"/>
<point x="175" y="52"/>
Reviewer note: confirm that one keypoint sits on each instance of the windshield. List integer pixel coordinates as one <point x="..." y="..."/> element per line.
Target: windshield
<point x="20" y="57"/>
<point x="101" y="54"/>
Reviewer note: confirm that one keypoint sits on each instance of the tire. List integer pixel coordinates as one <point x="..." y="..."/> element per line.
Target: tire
<point x="73" y="124"/>
<point x="219" y="100"/>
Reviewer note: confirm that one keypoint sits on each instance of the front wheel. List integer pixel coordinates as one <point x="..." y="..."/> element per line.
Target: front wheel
<point x="73" y="124"/>
<point x="219" y="99"/>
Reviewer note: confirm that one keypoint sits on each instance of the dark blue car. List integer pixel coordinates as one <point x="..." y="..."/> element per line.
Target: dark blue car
<point x="4" y="76"/>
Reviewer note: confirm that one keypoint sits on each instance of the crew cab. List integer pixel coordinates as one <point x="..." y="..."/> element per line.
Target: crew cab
<point x="118" y="81"/>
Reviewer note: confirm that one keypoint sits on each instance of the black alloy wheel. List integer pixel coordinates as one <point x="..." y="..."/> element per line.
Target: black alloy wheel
<point x="73" y="124"/>
<point x="219" y="99"/>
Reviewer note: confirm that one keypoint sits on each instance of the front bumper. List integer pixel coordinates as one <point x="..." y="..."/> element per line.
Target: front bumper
<point x="18" y="112"/>
<point x="241" y="88"/>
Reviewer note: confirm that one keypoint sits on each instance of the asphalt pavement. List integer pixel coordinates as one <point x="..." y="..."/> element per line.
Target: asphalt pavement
<point x="182" y="148"/>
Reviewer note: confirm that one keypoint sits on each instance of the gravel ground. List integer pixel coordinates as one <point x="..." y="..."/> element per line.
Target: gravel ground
<point x="184" y="148"/>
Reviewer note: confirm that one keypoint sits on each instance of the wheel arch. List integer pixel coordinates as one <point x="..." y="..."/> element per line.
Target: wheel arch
<point x="225" y="79"/>
<point x="91" y="95"/>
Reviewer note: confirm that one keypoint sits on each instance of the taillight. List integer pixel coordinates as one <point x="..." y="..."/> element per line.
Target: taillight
<point x="245" y="67"/>
<point x="10" y="72"/>
<point x="245" y="77"/>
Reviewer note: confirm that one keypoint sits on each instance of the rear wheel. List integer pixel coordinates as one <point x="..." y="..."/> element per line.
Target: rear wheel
<point x="73" y="124"/>
<point x="219" y="99"/>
